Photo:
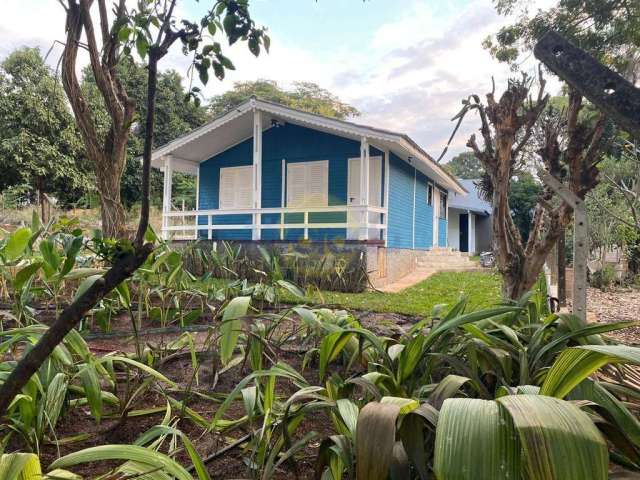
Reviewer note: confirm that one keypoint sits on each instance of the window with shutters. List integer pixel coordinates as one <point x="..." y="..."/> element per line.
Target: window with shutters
<point x="308" y="184"/>
<point x="236" y="188"/>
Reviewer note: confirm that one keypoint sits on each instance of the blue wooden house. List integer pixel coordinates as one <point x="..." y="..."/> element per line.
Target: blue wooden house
<point x="266" y="172"/>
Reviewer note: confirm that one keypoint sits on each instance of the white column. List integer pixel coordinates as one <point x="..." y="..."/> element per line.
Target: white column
<point x="413" y="228"/>
<point x="436" y="215"/>
<point x="166" y="196"/>
<point x="364" y="186"/>
<point x="387" y="175"/>
<point x="257" y="171"/>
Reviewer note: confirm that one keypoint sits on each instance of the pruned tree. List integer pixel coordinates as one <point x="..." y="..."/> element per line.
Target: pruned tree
<point x="568" y="149"/>
<point x="152" y="28"/>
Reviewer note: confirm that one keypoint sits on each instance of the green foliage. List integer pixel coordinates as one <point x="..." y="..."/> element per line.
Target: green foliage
<point x="523" y="198"/>
<point x="466" y="166"/>
<point x="174" y="117"/>
<point x="603" y="278"/>
<point x="39" y="144"/>
<point x="607" y="29"/>
<point x="305" y="96"/>
<point x="462" y="393"/>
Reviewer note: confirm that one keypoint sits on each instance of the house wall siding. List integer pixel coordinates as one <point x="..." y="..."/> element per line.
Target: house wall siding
<point x="424" y="214"/>
<point x="400" y="222"/>
<point x="293" y="144"/>
<point x="442" y="232"/>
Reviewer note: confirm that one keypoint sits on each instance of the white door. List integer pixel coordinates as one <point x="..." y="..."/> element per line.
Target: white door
<point x="353" y="195"/>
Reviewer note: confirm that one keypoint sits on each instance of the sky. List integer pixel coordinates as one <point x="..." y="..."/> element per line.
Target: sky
<point x="405" y="64"/>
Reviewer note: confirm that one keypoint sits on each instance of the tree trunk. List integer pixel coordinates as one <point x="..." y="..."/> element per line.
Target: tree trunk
<point x="111" y="210"/>
<point x="152" y="80"/>
<point x="68" y="319"/>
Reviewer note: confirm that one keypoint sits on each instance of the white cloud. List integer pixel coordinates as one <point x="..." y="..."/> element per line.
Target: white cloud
<point x="410" y="76"/>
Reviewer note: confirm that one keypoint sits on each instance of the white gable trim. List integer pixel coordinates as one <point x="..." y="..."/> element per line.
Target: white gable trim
<point x="338" y="126"/>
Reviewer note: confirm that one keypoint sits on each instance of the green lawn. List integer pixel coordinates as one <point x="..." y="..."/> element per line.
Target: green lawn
<point x="482" y="290"/>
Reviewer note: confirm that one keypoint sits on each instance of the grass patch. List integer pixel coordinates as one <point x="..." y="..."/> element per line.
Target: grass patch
<point x="482" y="289"/>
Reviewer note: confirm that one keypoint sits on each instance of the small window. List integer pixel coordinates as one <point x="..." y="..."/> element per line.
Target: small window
<point x="429" y="194"/>
<point x="236" y="188"/>
<point x="443" y="204"/>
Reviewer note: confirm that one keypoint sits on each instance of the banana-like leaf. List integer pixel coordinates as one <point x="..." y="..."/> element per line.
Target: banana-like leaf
<point x="587" y="331"/>
<point x="448" y="387"/>
<point x="164" y="430"/>
<point x="230" y="327"/>
<point x="16" y="244"/>
<point x="150" y="458"/>
<point x="331" y="346"/>
<point x="349" y="414"/>
<point x="575" y="364"/>
<point x="91" y="384"/>
<point x="458" y="321"/>
<point x="375" y="440"/>
<point x="475" y="439"/>
<point x="558" y="439"/>
<point x="20" y="466"/>
<point x="593" y="391"/>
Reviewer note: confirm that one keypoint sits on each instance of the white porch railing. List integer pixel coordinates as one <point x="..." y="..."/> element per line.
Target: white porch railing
<point x="360" y="222"/>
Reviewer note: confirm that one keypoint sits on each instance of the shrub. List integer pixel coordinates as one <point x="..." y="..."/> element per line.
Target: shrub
<point x="603" y="278"/>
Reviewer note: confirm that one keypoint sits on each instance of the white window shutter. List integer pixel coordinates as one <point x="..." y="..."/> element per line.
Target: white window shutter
<point x="296" y="185"/>
<point x="227" y="182"/>
<point x="308" y="184"/>
<point x="375" y="181"/>
<point x="236" y="188"/>
<point x="353" y="183"/>
<point x="317" y="180"/>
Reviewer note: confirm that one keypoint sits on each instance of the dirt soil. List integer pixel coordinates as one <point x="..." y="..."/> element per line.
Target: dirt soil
<point x="231" y="465"/>
<point x="617" y="305"/>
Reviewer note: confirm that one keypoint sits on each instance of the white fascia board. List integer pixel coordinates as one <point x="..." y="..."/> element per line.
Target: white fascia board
<point x="203" y="130"/>
<point x="328" y="123"/>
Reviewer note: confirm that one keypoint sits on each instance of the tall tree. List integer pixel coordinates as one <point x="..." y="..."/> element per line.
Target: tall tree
<point x="305" y="96"/>
<point x="153" y="29"/>
<point x="569" y="151"/>
<point x="39" y="143"/>
<point x="608" y="29"/>
<point x="175" y="117"/>
<point x="465" y="165"/>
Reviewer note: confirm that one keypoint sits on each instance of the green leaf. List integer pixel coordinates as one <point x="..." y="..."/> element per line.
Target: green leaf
<point x="85" y="285"/>
<point x="50" y="256"/>
<point x="330" y="347"/>
<point x="123" y="34"/>
<point x="25" y="274"/>
<point x="575" y="364"/>
<point x="475" y="439"/>
<point x="448" y="387"/>
<point x="231" y="326"/>
<point x="71" y="254"/>
<point x="558" y="439"/>
<point x="150" y="458"/>
<point x="16" y="244"/>
<point x="349" y="413"/>
<point x="91" y="384"/>
<point x="375" y="439"/>
<point x="20" y="466"/>
<point x="142" y="45"/>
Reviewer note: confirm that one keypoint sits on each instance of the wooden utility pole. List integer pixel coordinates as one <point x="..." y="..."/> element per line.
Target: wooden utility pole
<point x="562" y="269"/>
<point x="580" y="243"/>
<point x="613" y="95"/>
